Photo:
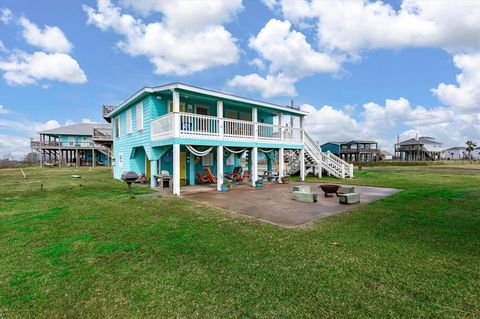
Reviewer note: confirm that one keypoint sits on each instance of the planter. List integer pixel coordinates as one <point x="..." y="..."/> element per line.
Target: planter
<point x="285" y="180"/>
<point x="224" y="188"/>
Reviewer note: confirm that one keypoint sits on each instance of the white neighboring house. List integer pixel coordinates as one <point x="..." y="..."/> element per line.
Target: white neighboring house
<point x="456" y="153"/>
<point x="386" y="155"/>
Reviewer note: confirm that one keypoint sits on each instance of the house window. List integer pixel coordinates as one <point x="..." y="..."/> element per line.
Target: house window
<point x="139" y="111"/>
<point x="71" y="140"/>
<point x="117" y="126"/>
<point x="129" y="121"/>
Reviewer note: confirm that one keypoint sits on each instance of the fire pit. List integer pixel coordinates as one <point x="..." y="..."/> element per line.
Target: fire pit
<point x="329" y="189"/>
<point x="129" y="177"/>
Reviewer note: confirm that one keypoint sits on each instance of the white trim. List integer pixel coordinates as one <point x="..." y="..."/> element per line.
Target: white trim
<point x="220" y="95"/>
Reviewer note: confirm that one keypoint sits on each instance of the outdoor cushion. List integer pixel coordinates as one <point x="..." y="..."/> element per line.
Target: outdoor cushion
<point x="346" y="190"/>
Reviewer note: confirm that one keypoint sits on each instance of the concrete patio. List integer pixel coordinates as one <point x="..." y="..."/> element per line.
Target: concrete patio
<point x="273" y="202"/>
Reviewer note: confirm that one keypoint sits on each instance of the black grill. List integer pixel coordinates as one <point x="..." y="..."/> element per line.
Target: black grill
<point x="129" y="177"/>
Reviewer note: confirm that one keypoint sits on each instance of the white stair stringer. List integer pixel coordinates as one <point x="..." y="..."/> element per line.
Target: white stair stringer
<point x="315" y="158"/>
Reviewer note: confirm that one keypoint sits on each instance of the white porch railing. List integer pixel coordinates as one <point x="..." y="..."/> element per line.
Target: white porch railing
<point x="162" y="127"/>
<point x="205" y="127"/>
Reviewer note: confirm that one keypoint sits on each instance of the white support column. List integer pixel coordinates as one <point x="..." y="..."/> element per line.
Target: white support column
<point x="220" y="118"/>
<point x="281" y="164"/>
<point x="255" y="120"/>
<point x="302" y="164"/>
<point x="176" y="169"/>
<point x="219" y="167"/>
<point x="280" y="123"/>
<point x="254" y="165"/>
<point x="93" y="157"/>
<point x="176" y="115"/>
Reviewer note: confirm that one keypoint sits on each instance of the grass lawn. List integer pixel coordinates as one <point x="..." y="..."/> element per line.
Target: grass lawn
<point x="82" y="248"/>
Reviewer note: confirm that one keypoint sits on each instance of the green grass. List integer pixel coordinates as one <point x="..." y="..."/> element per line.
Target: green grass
<point x="84" y="248"/>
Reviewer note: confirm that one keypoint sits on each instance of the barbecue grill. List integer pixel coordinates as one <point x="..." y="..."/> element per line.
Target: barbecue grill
<point x="129" y="177"/>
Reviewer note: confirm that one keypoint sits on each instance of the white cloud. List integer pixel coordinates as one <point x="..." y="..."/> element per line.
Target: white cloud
<point x="378" y="121"/>
<point x="182" y="43"/>
<point x="88" y="121"/>
<point x="353" y="26"/>
<point x="6" y="15"/>
<point x="258" y="63"/>
<point x="290" y="58"/>
<point x="271" y="85"/>
<point x="13" y="147"/>
<point x="466" y="94"/>
<point x="50" y="39"/>
<point x="22" y="68"/>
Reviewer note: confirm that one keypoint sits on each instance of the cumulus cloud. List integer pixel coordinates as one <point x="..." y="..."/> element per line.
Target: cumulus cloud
<point x="466" y="94"/>
<point x="371" y="25"/>
<point x="183" y="42"/>
<point x="50" y="39"/>
<point x="6" y="15"/>
<point x="376" y="121"/>
<point x="290" y="58"/>
<point x="271" y="85"/>
<point x="22" y="68"/>
<point x="53" y="63"/>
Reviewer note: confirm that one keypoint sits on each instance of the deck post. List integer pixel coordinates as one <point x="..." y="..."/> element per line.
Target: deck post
<point x="93" y="157"/>
<point x="302" y="164"/>
<point x="77" y="159"/>
<point x="176" y="115"/>
<point x="220" y="118"/>
<point x="254" y="159"/>
<point x="219" y="167"/>
<point x="255" y="124"/>
<point x="176" y="169"/>
<point x="281" y="164"/>
<point x="280" y="123"/>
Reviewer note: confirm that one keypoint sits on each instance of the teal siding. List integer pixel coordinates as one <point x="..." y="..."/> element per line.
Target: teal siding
<point x="333" y="148"/>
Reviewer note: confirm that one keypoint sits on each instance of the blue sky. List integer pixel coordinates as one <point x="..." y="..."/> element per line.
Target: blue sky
<point x="395" y="68"/>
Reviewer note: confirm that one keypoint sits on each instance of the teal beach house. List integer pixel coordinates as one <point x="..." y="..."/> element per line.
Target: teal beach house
<point x="186" y="130"/>
<point x="84" y="144"/>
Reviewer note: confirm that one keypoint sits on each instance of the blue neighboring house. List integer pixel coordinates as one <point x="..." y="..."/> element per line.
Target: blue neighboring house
<point x="184" y="131"/>
<point x="354" y="151"/>
<point x="82" y="144"/>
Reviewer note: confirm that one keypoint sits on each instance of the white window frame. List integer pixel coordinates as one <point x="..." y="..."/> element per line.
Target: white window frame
<point x="71" y="140"/>
<point x="139" y="111"/>
<point x="129" y="121"/>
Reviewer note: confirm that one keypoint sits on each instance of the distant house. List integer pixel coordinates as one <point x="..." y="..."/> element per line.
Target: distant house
<point x="354" y="151"/>
<point x="386" y="155"/>
<point x="419" y="149"/>
<point x="476" y="153"/>
<point x="75" y="145"/>
<point x="455" y="153"/>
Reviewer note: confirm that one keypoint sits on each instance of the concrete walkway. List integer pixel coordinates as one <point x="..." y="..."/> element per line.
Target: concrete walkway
<point x="273" y="204"/>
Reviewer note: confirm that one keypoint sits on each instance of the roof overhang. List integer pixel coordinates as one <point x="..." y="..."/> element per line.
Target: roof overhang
<point x="145" y="91"/>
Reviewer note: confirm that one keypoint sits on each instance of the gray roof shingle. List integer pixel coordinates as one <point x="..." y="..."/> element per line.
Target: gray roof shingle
<point x="75" y="129"/>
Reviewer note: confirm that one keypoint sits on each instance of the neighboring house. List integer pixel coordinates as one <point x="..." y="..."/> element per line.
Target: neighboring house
<point x="354" y="151"/>
<point x="386" y="155"/>
<point x="458" y="152"/>
<point x="420" y="149"/>
<point x="75" y="145"/>
<point x="183" y="129"/>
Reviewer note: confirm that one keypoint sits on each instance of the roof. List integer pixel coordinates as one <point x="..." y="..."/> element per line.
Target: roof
<point x="456" y="148"/>
<point x="75" y="129"/>
<point x="351" y="142"/>
<point x="420" y="140"/>
<point x="185" y="87"/>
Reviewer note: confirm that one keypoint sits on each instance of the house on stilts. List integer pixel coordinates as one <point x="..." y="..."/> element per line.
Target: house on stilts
<point x="183" y="129"/>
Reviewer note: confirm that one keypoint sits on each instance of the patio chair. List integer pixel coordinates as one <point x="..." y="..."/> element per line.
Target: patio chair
<point x="211" y="178"/>
<point x="201" y="178"/>
<point x="236" y="175"/>
<point x="246" y="176"/>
